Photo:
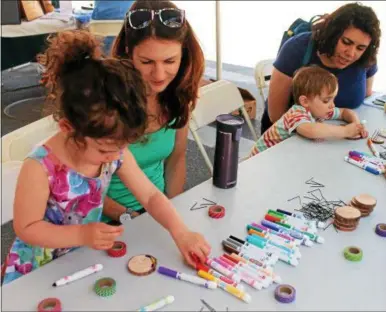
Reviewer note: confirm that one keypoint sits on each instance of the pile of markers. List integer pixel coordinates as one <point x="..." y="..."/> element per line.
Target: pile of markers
<point x="370" y="163"/>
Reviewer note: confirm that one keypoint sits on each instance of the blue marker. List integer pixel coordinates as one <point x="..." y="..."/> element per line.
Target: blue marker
<point x="366" y="166"/>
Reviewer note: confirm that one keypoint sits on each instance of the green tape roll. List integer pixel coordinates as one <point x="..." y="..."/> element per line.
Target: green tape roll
<point x="353" y="253"/>
<point x="105" y="287"/>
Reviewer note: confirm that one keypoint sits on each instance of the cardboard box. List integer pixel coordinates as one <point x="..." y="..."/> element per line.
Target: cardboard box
<point x="249" y="100"/>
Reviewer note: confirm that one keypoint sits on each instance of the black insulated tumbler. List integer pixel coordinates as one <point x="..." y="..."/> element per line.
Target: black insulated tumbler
<point x="226" y="156"/>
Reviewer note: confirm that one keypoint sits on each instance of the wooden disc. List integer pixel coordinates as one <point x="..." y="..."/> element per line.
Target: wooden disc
<point x="353" y="224"/>
<point x="347" y="212"/>
<point x="142" y="265"/>
<point x="346" y="228"/>
<point x="366" y="200"/>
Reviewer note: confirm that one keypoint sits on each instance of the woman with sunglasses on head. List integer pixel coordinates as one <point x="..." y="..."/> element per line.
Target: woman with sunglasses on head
<point x="164" y="49"/>
<point x="345" y="43"/>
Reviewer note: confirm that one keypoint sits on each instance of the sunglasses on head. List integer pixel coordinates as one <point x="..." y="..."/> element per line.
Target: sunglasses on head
<point x="141" y="18"/>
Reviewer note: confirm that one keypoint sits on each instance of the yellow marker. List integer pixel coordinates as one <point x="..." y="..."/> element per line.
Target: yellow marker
<point x="228" y="288"/>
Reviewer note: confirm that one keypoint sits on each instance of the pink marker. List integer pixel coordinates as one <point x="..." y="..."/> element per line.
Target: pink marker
<point x="78" y="275"/>
<point x="223" y="270"/>
<point x="245" y="277"/>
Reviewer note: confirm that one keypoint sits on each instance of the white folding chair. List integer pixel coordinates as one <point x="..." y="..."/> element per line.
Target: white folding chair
<point x="263" y="71"/>
<point x="220" y="97"/>
<point x="16" y="145"/>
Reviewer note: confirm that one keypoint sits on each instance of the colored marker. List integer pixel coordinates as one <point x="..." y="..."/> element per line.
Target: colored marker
<point x="159" y="304"/>
<point x="372" y="148"/>
<point x="370" y="159"/>
<point x="187" y="277"/>
<point x="223" y="270"/>
<point x="228" y="288"/>
<point x="313" y="237"/>
<point x="273" y="226"/>
<point x="277" y="219"/>
<point x="78" y="275"/>
<point x="257" y="275"/>
<point x="271" y="235"/>
<point x="365" y="166"/>
<point x="312" y="224"/>
<point x="203" y="267"/>
<point x="244" y="276"/>
<point x="370" y="163"/>
<point x="267" y="271"/>
<point x="266" y="258"/>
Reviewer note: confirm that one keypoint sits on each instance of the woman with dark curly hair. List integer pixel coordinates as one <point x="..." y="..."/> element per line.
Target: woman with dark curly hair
<point x="164" y="49"/>
<point x="345" y="43"/>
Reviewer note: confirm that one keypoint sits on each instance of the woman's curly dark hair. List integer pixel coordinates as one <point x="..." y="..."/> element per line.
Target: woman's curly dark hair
<point x="100" y="97"/>
<point x="327" y="34"/>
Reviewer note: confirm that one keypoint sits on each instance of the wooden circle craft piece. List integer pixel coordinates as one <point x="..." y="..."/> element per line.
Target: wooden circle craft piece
<point x="50" y="304"/>
<point x="365" y="203"/>
<point x="346" y="218"/>
<point x="377" y="140"/>
<point x="142" y="265"/>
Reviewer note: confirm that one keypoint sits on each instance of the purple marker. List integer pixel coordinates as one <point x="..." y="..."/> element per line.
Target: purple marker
<point x="267" y="230"/>
<point x="187" y="277"/>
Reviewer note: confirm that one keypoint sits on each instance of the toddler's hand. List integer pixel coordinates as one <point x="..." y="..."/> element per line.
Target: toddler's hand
<point x="353" y="130"/>
<point x="364" y="133"/>
<point x="190" y="244"/>
<point x="99" y="235"/>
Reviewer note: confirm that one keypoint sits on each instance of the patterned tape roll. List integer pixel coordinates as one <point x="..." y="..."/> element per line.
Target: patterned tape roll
<point x="285" y="293"/>
<point x="105" y="287"/>
<point x="353" y="253"/>
<point x="50" y="304"/>
<point x="380" y="229"/>
<point x="216" y="211"/>
<point x="118" y="250"/>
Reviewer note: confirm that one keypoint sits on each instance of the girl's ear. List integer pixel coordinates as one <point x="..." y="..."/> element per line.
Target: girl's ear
<point x="65" y="126"/>
<point x="303" y="101"/>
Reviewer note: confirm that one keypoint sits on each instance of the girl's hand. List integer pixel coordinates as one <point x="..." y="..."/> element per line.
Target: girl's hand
<point x="364" y="133"/>
<point x="98" y="235"/>
<point x="190" y="244"/>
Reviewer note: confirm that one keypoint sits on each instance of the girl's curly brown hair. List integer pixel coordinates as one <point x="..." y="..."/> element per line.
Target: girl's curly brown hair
<point x="327" y="34"/>
<point x="100" y="97"/>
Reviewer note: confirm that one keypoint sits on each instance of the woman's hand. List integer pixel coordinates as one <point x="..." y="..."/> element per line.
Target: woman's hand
<point x="192" y="244"/>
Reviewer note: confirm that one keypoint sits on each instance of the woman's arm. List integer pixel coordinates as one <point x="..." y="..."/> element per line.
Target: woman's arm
<point x="278" y="95"/>
<point x="369" y="85"/>
<point x="175" y="164"/>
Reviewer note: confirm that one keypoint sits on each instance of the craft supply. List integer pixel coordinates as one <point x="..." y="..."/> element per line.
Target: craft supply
<point x="142" y="265"/>
<point x="372" y="147"/>
<point x="118" y="250"/>
<point x="210" y="201"/>
<point x="300" y="226"/>
<point x="365" y="203"/>
<point x="346" y="218"/>
<point x="124" y="218"/>
<point x="211" y="309"/>
<point x="159" y="304"/>
<point x="78" y="275"/>
<point x="50" y="304"/>
<point x="376" y="139"/>
<point x="219" y="268"/>
<point x="294" y="214"/>
<point x="105" y="287"/>
<point x="353" y="253"/>
<point x="312" y="236"/>
<point x="228" y="288"/>
<point x="285" y="293"/>
<point x="380" y="229"/>
<point x="187" y="277"/>
<point x="364" y="165"/>
<point x="203" y="267"/>
<point x="382" y="132"/>
<point x="216" y="211"/>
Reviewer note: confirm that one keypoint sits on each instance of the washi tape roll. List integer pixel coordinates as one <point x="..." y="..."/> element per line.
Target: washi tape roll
<point x="216" y="211"/>
<point x="285" y="293"/>
<point x="50" y="304"/>
<point x="105" y="287"/>
<point x="380" y="229"/>
<point x="142" y="265"/>
<point x="118" y="250"/>
<point x="353" y="253"/>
